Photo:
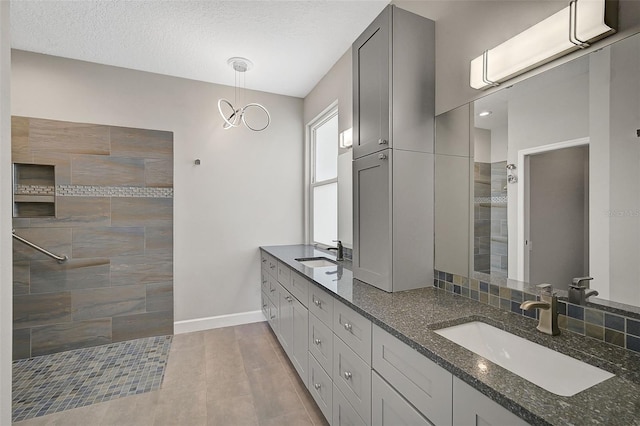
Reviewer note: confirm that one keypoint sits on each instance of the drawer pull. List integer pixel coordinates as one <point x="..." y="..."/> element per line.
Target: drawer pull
<point x="264" y="281"/>
<point x="273" y="317"/>
<point x="317" y="386"/>
<point x="264" y="260"/>
<point x="317" y="342"/>
<point x="382" y="156"/>
<point x="272" y="290"/>
<point x="348" y="326"/>
<point x="264" y="306"/>
<point x="382" y="142"/>
<point x="288" y="299"/>
<point x="273" y="266"/>
<point x="347" y="375"/>
<point x="317" y="302"/>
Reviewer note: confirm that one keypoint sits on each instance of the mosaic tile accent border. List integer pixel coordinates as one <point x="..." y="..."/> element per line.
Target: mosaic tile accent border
<point x="608" y="327"/>
<point x="494" y="200"/>
<point x="95" y="191"/>
<point x="34" y="190"/>
<point x="65" y="380"/>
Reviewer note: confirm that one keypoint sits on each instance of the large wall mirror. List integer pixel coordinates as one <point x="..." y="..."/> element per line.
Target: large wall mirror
<point x="555" y="177"/>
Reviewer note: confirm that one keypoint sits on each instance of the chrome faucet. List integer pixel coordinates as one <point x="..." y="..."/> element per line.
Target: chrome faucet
<point x="339" y="250"/>
<point x="548" y="305"/>
<point x="578" y="293"/>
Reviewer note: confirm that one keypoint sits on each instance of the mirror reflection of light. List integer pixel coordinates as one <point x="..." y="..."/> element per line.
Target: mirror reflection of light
<point x="482" y="366"/>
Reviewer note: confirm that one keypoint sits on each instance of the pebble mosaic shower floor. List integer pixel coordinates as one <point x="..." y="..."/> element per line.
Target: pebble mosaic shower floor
<point x="66" y="380"/>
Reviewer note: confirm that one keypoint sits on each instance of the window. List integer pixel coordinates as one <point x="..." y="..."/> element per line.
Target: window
<point x="323" y="179"/>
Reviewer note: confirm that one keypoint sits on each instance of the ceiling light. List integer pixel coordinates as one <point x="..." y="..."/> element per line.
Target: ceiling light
<point x="485" y="113"/>
<point x="572" y="28"/>
<point x="233" y="116"/>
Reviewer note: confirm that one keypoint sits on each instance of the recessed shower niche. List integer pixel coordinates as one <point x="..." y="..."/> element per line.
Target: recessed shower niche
<point x="34" y="190"/>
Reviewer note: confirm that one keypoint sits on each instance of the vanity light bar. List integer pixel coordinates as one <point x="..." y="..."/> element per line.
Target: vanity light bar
<point x="572" y="28"/>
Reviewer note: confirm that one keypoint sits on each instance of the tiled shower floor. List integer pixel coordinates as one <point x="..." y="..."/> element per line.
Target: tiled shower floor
<point x="66" y="380"/>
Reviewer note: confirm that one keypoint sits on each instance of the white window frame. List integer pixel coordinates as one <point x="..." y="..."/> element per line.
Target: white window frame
<point x="330" y="112"/>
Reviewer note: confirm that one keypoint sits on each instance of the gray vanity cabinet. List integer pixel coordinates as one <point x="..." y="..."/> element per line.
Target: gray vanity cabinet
<point x="371" y="91"/>
<point x="393" y="84"/>
<point x="294" y="331"/>
<point x="393" y="130"/>
<point x="372" y="208"/>
<point x="393" y="219"/>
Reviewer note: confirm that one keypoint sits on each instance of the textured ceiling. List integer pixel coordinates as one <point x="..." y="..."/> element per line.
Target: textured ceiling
<point x="291" y="43"/>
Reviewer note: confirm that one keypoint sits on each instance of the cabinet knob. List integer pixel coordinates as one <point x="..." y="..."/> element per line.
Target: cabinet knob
<point x="264" y="281"/>
<point x="382" y="141"/>
<point x="264" y="260"/>
<point x="347" y="375"/>
<point x="288" y="299"/>
<point x="273" y="317"/>
<point x="273" y="266"/>
<point x="272" y="290"/>
<point x="348" y="326"/>
<point x="317" y="386"/>
<point x="317" y="342"/>
<point x="382" y="156"/>
<point x="317" y="302"/>
<point x="264" y="306"/>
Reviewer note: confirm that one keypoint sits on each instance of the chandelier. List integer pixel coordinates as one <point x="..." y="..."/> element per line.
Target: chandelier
<point x="250" y="114"/>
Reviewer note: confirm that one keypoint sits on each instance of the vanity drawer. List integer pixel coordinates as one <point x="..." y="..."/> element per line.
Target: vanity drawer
<point x="272" y="289"/>
<point x="321" y="388"/>
<point x="321" y="305"/>
<point x="354" y="329"/>
<point x="321" y="343"/>
<point x="272" y="266"/>
<point x="390" y="409"/>
<point x="472" y="407"/>
<point x="300" y="288"/>
<point x="264" y="280"/>
<point x="272" y="317"/>
<point x="343" y="413"/>
<point x="264" y="303"/>
<point x="422" y="382"/>
<point x="284" y="275"/>
<point x="352" y="376"/>
<point x="264" y="259"/>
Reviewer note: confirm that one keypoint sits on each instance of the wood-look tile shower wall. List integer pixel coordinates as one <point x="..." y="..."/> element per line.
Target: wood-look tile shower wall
<point x="114" y="221"/>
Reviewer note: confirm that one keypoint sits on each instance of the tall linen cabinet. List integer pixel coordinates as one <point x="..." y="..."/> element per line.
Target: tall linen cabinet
<point x="393" y="150"/>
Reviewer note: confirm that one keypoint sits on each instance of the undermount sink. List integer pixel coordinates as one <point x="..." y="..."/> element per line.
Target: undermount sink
<point x="551" y="370"/>
<point x="316" y="262"/>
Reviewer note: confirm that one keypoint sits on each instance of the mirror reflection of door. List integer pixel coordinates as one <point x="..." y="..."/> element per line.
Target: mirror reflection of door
<point x="557" y="216"/>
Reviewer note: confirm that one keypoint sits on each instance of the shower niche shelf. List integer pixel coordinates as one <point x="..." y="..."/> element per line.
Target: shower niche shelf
<point x="34" y="190"/>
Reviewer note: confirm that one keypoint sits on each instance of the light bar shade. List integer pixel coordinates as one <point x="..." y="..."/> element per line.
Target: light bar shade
<point x="569" y="29"/>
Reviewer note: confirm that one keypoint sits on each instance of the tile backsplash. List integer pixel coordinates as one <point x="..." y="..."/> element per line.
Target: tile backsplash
<point x="614" y="328"/>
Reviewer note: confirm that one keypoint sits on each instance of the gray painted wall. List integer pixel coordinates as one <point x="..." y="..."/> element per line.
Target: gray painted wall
<point x="247" y="192"/>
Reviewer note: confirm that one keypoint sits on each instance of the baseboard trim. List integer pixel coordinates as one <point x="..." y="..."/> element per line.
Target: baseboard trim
<point x="201" y="324"/>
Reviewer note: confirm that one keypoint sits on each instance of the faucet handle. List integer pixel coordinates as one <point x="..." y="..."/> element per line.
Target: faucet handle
<point x="337" y="241"/>
<point x="581" y="282"/>
<point x="545" y="289"/>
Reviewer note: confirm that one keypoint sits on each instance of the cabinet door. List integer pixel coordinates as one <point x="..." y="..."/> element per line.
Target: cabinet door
<point x="343" y="413"/>
<point x="285" y="311"/>
<point x="273" y="317"/>
<point x="389" y="408"/>
<point x="265" y="305"/>
<point x="372" y="219"/>
<point x="300" y="342"/>
<point x="470" y="407"/>
<point x="321" y="388"/>
<point x="371" y="87"/>
<point x="353" y="329"/>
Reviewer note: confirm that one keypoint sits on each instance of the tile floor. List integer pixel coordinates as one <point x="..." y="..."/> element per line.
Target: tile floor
<point x="66" y="380"/>
<point x="230" y="376"/>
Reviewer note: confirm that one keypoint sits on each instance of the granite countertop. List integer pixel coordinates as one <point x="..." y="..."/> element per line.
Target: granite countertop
<point x="412" y="316"/>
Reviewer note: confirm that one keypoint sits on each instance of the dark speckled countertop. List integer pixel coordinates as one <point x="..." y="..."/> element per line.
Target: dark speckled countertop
<point x="412" y="316"/>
